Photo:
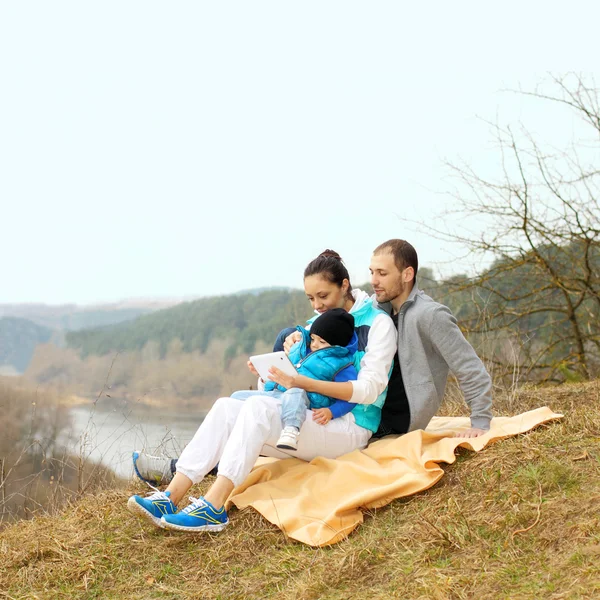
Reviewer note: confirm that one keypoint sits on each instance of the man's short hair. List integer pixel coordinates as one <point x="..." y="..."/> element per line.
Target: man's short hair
<point x="404" y="254"/>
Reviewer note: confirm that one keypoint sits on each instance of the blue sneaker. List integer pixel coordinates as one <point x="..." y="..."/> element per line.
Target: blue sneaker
<point x="200" y="515"/>
<point x="153" y="507"/>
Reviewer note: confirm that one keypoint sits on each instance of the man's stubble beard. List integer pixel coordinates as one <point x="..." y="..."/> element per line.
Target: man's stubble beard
<point x="391" y="296"/>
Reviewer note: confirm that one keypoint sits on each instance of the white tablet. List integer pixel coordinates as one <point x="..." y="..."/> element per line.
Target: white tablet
<point x="263" y="362"/>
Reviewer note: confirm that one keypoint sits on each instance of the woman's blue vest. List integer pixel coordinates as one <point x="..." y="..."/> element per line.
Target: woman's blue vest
<point x="365" y="415"/>
<point x="322" y="364"/>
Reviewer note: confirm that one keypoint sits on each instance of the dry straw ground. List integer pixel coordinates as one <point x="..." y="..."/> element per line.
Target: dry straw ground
<point x="521" y="519"/>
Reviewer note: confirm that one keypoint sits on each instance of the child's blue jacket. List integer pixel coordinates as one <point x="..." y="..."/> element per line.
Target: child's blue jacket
<point x="322" y="365"/>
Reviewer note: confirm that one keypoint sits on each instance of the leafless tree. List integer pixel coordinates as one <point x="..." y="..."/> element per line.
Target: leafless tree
<point x="542" y="230"/>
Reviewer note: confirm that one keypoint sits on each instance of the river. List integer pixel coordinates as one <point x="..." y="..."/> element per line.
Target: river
<point x="109" y="431"/>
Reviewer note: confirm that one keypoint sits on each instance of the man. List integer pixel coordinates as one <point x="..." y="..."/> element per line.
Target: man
<point x="430" y="345"/>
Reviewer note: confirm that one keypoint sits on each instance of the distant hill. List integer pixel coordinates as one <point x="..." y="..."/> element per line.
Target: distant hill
<point x="18" y="339"/>
<point x="242" y="319"/>
<point x="260" y="290"/>
<point x="24" y="326"/>
<point x="71" y="317"/>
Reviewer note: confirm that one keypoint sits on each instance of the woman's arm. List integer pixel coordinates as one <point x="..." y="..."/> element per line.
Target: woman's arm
<point x="333" y="389"/>
<point x="375" y="365"/>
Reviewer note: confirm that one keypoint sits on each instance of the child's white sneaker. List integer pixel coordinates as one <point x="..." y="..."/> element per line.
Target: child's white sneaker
<point x="288" y="440"/>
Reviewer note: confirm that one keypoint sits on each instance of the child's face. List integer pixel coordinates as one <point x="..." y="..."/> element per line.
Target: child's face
<point x="317" y="342"/>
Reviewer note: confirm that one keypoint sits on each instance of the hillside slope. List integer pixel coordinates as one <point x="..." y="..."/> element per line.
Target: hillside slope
<point x="519" y="520"/>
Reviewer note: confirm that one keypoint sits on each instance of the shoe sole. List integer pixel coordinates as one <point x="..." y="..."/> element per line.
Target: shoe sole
<point x="139" y="511"/>
<point x="286" y="447"/>
<point x="199" y="529"/>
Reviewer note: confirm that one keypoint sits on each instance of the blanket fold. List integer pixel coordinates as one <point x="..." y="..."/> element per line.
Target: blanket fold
<point x="320" y="503"/>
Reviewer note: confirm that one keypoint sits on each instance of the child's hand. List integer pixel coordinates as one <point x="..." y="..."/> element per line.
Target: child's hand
<point x="253" y="370"/>
<point x="322" y="416"/>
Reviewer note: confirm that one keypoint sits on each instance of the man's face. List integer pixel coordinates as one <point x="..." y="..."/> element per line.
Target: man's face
<point x="386" y="279"/>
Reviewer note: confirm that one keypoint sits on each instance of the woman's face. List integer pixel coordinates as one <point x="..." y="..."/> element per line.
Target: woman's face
<point x="323" y="294"/>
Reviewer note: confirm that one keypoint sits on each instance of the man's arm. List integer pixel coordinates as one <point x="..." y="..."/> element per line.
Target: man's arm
<point x="473" y="379"/>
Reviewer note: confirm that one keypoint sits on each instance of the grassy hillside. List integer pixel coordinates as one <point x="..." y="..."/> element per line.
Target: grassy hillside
<point x="521" y="519"/>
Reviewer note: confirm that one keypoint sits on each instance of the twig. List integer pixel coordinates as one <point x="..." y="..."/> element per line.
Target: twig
<point x="444" y="535"/>
<point x="537" y="519"/>
<point x="105" y="386"/>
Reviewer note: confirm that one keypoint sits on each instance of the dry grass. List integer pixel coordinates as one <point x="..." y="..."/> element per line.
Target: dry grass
<point x="518" y="520"/>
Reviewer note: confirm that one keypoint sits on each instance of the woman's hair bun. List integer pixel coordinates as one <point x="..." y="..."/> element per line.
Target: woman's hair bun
<point x="330" y="254"/>
<point x="329" y="266"/>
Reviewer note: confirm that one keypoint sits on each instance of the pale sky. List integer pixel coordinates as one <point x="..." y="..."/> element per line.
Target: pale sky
<point x="152" y="149"/>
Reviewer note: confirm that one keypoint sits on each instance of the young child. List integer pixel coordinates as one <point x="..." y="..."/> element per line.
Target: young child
<point x="326" y="352"/>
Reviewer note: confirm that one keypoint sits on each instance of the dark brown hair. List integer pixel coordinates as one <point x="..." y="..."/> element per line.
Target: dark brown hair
<point x="330" y="266"/>
<point x="404" y="254"/>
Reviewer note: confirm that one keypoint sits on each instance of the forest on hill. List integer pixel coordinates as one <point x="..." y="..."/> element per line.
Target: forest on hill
<point x="190" y="353"/>
<point x="243" y="319"/>
<point x="24" y="326"/>
<point x="515" y="313"/>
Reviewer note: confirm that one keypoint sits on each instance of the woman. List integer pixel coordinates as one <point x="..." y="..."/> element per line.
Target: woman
<point x="237" y="430"/>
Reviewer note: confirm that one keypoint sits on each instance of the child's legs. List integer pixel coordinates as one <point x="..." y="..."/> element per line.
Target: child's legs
<point x="294" y="403"/>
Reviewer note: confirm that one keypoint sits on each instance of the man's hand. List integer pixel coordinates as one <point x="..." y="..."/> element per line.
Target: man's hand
<point x="252" y="369"/>
<point x="290" y="340"/>
<point x="470" y="433"/>
<point x="288" y="381"/>
<point x="322" y="416"/>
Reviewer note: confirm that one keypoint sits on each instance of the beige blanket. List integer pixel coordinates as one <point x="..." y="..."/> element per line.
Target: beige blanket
<point x="319" y="503"/>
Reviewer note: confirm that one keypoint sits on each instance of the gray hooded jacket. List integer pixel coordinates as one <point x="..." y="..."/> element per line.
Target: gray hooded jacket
<point x="430" y="344"/>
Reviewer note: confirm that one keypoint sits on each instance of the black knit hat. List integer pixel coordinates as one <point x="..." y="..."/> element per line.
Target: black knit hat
<point x="335" y="326"/>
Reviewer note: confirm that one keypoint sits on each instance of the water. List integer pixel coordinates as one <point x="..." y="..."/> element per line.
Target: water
<point x="111" y="430"/>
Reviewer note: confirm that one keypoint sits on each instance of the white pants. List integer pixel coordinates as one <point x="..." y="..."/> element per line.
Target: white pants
<point x="236" y="432"/>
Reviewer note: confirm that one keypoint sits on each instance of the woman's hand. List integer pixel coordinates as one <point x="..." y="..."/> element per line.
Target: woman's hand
<point x="290" y="340"/>
<point x="289" y="381"/>
<point x="322" y="416"/>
